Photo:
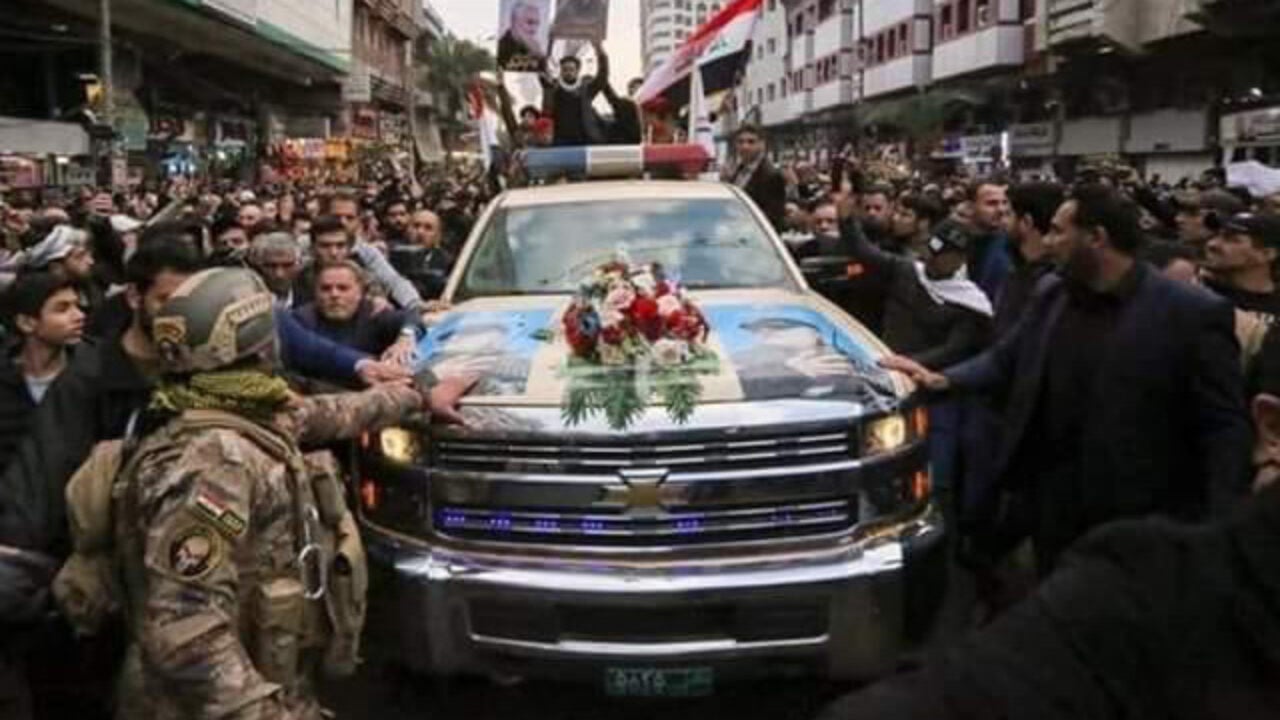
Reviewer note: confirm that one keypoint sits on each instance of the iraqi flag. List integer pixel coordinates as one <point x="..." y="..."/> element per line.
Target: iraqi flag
<point x="720" y="47"/>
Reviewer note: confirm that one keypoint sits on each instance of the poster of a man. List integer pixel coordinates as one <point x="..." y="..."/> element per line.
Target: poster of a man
<point x="524" y="33"/>
<point x="582" y="20"/>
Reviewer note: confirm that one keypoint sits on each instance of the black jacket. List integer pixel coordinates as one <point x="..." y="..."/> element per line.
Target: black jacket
<point x="1145" y="620"/>
<point x="575" y="121"/>
<point x="16" y="405"/>
<point x="1018" y="289"/>
<point x="768" y="189"/>
<point x="1166" y="428"/>
<point x="91" y="401"/>
<point x="931" y="333"/>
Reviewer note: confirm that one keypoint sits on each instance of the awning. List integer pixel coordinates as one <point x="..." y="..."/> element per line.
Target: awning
<point x="42" y="137"/>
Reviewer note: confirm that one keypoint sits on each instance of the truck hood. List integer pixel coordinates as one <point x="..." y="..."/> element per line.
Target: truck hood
<point x="771" y="345"/>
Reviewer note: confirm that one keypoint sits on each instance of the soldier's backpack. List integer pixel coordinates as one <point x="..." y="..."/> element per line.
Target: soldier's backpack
<point x="88" y="588"/>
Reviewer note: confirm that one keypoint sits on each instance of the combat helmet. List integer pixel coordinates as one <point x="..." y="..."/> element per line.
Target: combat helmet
<point x="214" y="319"/>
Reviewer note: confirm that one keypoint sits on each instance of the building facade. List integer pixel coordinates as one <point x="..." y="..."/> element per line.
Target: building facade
<point x="665" y="24"/>
<point x="1165" y="85"/>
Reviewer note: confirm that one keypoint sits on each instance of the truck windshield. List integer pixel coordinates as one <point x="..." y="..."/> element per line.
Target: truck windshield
<point x="550" y="249"/>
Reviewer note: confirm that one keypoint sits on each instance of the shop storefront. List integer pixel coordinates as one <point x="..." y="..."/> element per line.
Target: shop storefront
<point x="1032" y="147"/>
<point x="1251" y="135"/>
<point x="1170" y="144"/>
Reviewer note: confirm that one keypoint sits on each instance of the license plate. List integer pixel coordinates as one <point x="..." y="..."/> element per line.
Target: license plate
<point x="659" y="682"/>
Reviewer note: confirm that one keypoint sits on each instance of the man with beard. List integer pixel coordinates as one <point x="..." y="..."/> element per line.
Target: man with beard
<point x="520" y="48"/>
<point x="878" y="209"/>
<point x="1145" y="619"/>
<point x="1124" y="390"/>
<point x="395" y="222"/>
<point x="1033" y="207"/>
<point x="568" y="100"/>
<point x="915" y="216"/>
<point x="989" y="261"/>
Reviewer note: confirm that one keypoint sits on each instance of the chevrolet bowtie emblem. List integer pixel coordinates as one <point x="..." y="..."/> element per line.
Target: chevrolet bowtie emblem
<point x="644" y="492"/>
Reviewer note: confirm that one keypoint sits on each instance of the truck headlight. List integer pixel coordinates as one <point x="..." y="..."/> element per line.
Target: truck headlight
<point x="399" y="445"/>
<point x="890" y="433"/>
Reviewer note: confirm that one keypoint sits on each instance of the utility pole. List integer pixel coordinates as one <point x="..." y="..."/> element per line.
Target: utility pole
<point x="108" y="89"/>
<point x="411" y="87"/>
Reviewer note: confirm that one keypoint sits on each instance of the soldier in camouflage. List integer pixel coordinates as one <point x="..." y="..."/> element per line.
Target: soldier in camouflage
<point x="243" y="574"/>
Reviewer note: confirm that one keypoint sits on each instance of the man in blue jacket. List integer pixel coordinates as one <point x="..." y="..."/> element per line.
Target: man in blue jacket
<point x="1124" y="388"/>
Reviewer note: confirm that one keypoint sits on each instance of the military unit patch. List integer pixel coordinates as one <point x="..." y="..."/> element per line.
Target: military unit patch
<point x="194" y="551"/>
<point x="227" y="521"/>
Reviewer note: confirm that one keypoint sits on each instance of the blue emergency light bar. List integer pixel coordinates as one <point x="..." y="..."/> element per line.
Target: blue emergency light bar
<point x="613" y="161"/>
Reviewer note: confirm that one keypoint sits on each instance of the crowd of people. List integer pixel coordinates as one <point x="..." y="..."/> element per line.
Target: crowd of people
<point x="1099" y="358"/>
<point x="1091" y="353"/>
<point x="350" y="272"/>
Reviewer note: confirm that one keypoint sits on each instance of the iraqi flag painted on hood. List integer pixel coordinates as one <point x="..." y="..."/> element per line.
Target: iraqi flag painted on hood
<point x="719" y="47"/>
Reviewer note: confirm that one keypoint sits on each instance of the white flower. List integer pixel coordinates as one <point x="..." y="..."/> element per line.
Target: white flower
<point x="668" y="304"/>
<point x="644" y="282"/>
<point x="611" y="354"/>
<point x="667" y="353"/>
<point x="620" y="296"/>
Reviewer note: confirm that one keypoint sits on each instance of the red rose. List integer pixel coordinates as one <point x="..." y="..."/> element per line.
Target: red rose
<point x="644" y="313"/>
<point x="613" y="334"/>
<point x="675" y="320"/>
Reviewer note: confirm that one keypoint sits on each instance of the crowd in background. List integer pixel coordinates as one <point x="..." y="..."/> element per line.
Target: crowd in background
<point x="1088" y="351"/>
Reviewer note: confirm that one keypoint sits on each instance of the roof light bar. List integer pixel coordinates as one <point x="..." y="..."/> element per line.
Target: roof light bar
<point x="614" y="161"/>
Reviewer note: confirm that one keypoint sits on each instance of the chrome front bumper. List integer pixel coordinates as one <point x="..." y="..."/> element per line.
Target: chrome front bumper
<point x="451" y="613"/>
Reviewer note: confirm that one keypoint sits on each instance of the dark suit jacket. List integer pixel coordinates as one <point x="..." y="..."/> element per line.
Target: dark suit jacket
<point x="1146" y="620"/>
<point x="768" y="188"/>
<point x="1167" y="430"/>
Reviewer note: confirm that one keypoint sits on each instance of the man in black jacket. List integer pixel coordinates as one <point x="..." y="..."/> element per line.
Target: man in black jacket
<point x="626" y="126"/>
<point x="1144" y="620"/>
<point x="1033" y="205"/>
<point x="1125" y="390"/>
<point x="753" y="172"/>
<point x="45" y="315"/>
<point x="567" y="100"/>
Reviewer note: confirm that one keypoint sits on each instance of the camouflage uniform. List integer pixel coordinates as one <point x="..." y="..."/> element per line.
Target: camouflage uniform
<point x="243" y="574"/>
<point x="216" y="517"/>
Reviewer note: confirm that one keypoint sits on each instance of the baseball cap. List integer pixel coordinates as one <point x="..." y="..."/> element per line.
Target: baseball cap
<point x="948" y="235"/>
<point x="1262" y="227"/>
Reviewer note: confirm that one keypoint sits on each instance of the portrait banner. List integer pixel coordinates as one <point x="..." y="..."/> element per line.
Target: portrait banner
<point x="582" y="20"/>
<point x="524" y="32"/>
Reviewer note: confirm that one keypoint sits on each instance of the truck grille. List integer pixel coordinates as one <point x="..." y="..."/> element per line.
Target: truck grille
<point x="601" y="458"/>
<point x="675" y="527"/>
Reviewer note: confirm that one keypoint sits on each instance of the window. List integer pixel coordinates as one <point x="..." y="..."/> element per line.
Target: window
<point x="880" y="48"/>
<point x="962" y="17"/>
<point x="782" y="85"/>
<point x="772" y="94"/>
<point x="982" y="13"/>
<point x="532" y="250"/>
<point x="826" y="8"/>
<point x="773" y="45"/>
<point x="760" y="52"/>
<point x="944" y="25"/>
<point x="773" y="5"/>
<point x="904" y="38"/>
<point x="892" y="45"/>
<point x="1028" y="8"/>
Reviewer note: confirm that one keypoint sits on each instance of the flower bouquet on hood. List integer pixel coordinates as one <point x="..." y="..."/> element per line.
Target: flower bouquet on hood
<point x="634" y="334"/>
